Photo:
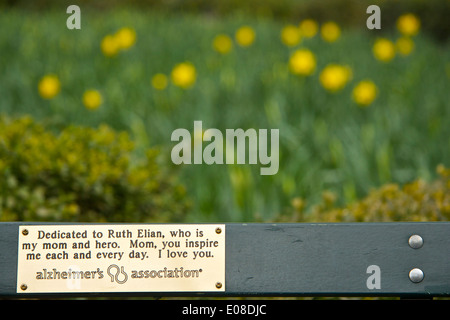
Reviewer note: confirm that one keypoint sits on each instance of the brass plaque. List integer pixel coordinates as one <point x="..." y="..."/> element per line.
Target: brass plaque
<point x="121" y="258"/>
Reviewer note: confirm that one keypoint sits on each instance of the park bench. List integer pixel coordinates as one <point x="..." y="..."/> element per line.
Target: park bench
<point x="404" y="259"/>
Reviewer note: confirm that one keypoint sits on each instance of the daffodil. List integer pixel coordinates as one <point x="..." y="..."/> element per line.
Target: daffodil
<point x="384" y="50"/>
<point x="308" y="28"/>
<point x="364" y="93"/>
<point x="245" y="36"/>
<point x="222" y="43"/>
<point x="334" y="77"/>
<point x="72" y="209"/>
<point x="125" y="38"/>
<point x="159" y="81"/>
<point x="408" y="24"/>
<point x="184" y="75"/>
<point x="290" y="35"/>
<point x="404" y="45"/>
<point x="49" y="86"/>
<point x="92" y="99"/>
<point x="302" y="62"/>
<point x="330" y="31"/>
<point x="110" y="46"/>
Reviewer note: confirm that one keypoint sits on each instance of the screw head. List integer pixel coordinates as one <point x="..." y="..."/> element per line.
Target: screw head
<point x="218" y="230"/>
<point x="416" y="275"/>
<point x="24" y="287"/>
<point x="25" y="232"/>
<point x="415" y="241"/>
<point x="218" y="285"/>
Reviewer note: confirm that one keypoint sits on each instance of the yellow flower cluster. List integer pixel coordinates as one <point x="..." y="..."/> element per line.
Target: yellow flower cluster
<point x="291" y="35"/>
<point x="49" y="86"/>
<point x="302" y="62"/>
<point x="333" y="77"/>
<point x="415" y="201"/>
<point x="123" y="39"/>
<point x="80" y="174"/>
<point x="385" y="50"/>
<point x="308" y="28"/>
<point x="244" y="36"/>
<point x="183" y="75"/>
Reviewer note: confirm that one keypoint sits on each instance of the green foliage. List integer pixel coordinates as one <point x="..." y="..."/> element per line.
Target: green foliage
<point x="415" y="201"/>
<point x="327" y="142"/>
<point x="81" y="174"/>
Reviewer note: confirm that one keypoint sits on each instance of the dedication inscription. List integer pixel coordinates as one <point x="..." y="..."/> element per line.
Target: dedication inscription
<point x="121" y="258"/>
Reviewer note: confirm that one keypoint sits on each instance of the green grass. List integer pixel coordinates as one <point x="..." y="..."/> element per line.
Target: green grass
<point x="326" y="141"/>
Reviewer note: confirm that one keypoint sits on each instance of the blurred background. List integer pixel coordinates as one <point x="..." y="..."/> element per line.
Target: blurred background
<point x="87" y="115"/>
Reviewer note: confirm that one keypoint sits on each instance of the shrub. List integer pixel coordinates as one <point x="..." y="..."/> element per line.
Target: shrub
<point x="82" y="174"/>
<point x="415" y="201"/>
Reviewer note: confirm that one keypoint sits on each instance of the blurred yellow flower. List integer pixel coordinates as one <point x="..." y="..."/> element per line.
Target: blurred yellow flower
<point x="328" y="198"/>
<point x="290" y="35"/>
<point x="121" y="40"/>
<point x="330" y="31"/>
<point x="72" y="209"/>
<point x="308" y="28"/>
<point x="364" y="92"/>
<point x="245" y="36"/>
<point x="383" y="50"/>
<point x="298" y="204"/>
<point x="159" y="81"/>
<point x="222" y="43"/>
<point x="302" y="62"/>
<point x="334" y="77"/>
<point x="110" y="46"/>
<point x="184" y="75"/>
<point x="92" y="99"/>
<point x="404" y="45"/>
<point x="49" y="86"/>
<point x="408" y="24"/>
<point x="125" y="38"/>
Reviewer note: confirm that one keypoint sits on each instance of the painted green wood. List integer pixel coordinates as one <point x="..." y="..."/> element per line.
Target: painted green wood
<point x="358" y="259"/>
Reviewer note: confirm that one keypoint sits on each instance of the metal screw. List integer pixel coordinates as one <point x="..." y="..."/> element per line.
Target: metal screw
<point x="24" y="287"/>
<point x="218" y="285"/>
<point x="218" y="230"/>
<point x="415" y="241"/>
<point x="416" y="275"/>
<point x="25" y="232"/>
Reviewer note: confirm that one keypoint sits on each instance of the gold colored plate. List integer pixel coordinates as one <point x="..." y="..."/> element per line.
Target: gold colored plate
<point x="121" y="258"/>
